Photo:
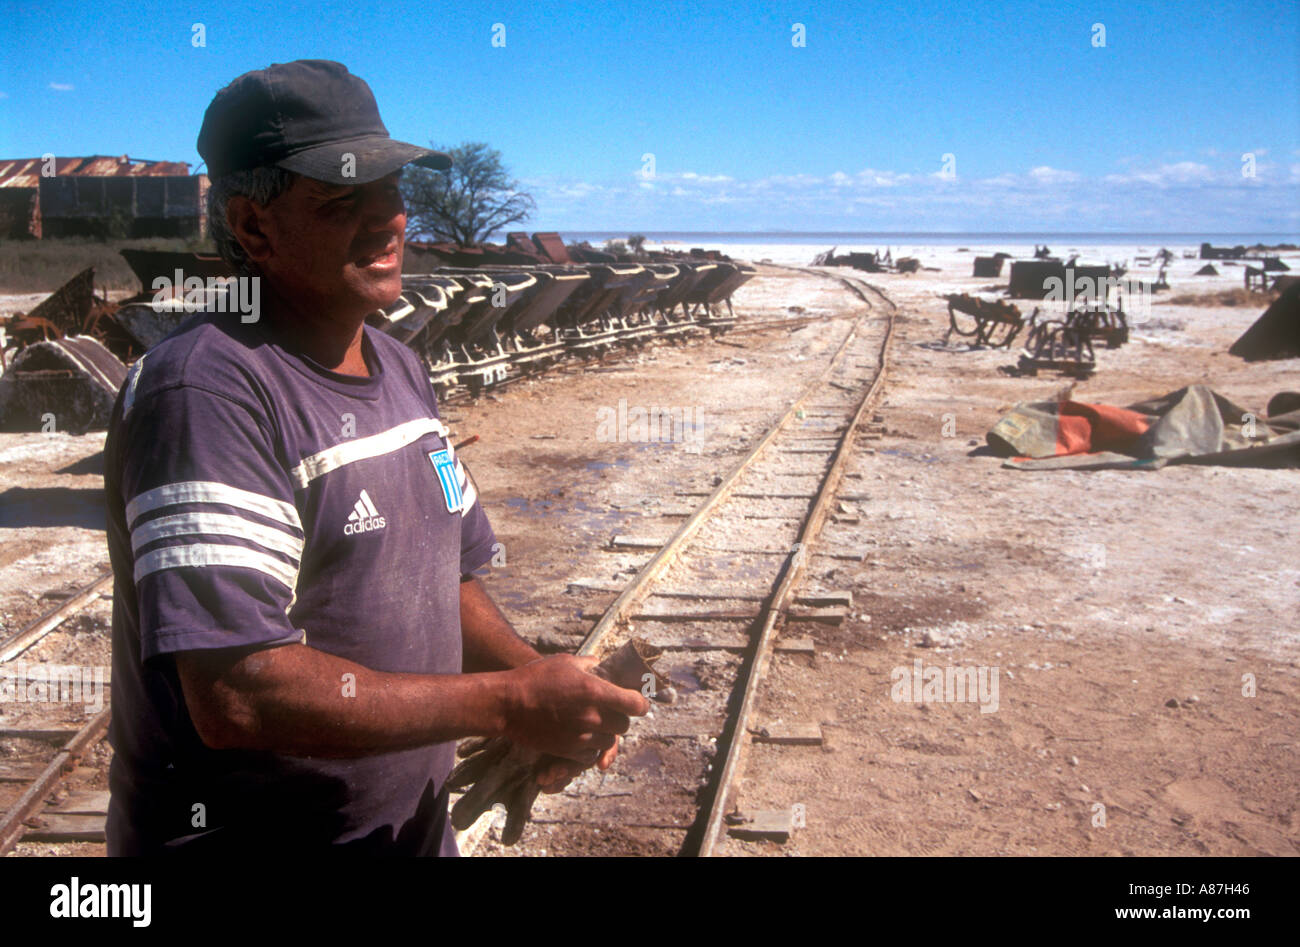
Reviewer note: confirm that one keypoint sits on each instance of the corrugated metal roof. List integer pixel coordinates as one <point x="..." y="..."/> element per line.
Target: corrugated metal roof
<point x="26" y="172"/>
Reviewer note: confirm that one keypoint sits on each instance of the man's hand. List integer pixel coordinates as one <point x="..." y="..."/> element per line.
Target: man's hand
<point x="564" y="715"/>
<point x="559" y="708"/>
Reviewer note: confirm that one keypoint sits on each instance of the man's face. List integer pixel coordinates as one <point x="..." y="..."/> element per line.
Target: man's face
<point x="336" y="249"/>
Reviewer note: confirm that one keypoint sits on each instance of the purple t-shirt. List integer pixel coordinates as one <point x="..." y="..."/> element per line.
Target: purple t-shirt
<point x="256" y="498"/>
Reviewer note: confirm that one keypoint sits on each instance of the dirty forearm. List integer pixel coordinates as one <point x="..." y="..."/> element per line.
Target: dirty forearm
<point x="488" y="640"/>
<point x="303" y="702"/>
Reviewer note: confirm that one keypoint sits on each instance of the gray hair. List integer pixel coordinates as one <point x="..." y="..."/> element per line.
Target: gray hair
<point x="259" y="185"/>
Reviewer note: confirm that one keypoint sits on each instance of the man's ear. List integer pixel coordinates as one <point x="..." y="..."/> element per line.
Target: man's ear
<point x="245" y="220"/>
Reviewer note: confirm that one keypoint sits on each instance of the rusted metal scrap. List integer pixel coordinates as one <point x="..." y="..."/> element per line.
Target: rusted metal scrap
<point x="473" y="327"/>
<point x="498" y="770"/>
<point x="1065" y="344"/>
<point x="66" y="384"/>
<point x="997" y="323"/>
<point x="68" y="307"/>
<point x="867" y="262"/>
<point x="1209" y="252"/>
<point x="1102" y="321"/>
<point x="990" y="267"/>
<point x="1061" y="345"/>
<point x="72" y="309"/>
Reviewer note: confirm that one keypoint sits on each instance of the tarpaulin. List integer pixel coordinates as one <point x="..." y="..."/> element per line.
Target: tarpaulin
<point x="1191" y="425"/>
<point x="1275" y="334"/>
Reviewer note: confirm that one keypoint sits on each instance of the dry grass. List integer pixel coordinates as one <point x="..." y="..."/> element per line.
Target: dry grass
<point x="42" y="266"/>
<point x="1227" y="297"/>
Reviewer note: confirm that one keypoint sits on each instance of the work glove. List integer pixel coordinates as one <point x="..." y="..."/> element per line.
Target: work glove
<point x="495" y="769"/>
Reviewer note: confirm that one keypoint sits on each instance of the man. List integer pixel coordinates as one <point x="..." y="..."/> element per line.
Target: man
<point x="297" y="637"/>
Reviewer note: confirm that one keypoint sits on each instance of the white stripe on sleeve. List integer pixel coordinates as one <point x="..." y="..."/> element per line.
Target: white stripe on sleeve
<point x="188" y="524"/>
<point x="206" y="491"/>
<point x="209" y="554"/>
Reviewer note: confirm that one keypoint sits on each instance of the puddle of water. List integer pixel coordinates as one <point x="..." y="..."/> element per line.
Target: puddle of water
<point x="685" y="680"/>
<point x="540" y="507"/>
<point x="513" y="599"/>
<point x="599" y="465"/>
<point x="572" y="514"/>
<point x="645" y="759"/>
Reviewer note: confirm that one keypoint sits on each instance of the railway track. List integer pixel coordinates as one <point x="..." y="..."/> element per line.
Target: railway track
<point x="616" y="333"/>
<point x="743" y="597"/>
<point x="40" y="758"/>
<point x="719" y="597"/>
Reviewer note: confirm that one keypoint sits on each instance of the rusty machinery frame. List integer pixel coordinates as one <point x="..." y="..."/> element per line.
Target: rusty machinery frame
<point x="996" y="323"/>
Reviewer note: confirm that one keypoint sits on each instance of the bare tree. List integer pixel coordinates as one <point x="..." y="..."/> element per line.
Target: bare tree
<point x="466" y="204"/>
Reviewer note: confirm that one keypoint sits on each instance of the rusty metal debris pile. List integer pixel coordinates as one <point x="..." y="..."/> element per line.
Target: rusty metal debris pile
<point x="63" y="362"/>
<point x="1064" y="343"/>
<point x="866" y="262"/>
<point x="1059" y="335"/>
<point x="1051" y="344"/>
<point x="66" y="384"/>
<point x="474" y="326"/>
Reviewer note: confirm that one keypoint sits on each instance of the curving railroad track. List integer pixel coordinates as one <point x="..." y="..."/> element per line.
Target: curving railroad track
<point x="719" y="596"/>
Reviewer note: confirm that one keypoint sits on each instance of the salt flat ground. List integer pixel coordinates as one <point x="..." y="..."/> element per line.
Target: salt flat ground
<point x="1098" y="597"/>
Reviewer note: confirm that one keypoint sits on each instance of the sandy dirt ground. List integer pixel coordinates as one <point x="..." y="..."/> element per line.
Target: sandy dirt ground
<point x="1127" y="615"/>
<point x="1144" y="628"/>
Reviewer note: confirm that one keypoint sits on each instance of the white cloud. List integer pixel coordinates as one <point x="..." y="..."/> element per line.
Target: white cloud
<point x="61" y="86"/>
<point x="1047" y="175"/>
<point x="1180" y="173"/>
<point x="874" y="178"/>
<point x="700" y="178"/>
<point x="1211" y="197"/>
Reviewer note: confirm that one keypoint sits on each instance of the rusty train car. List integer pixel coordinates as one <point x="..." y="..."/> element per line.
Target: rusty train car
<point x="477" y="317"/>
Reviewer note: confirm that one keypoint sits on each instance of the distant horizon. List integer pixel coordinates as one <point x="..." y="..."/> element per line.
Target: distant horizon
<point x="926" y="233"/>
<point x="883" y="238"/>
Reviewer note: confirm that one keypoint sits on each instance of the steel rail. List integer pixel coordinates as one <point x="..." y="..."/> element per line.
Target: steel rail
<point x="792" y="571"/>
<point x="637" y="589"/>
<point x="12" y="828"/>
<point x="469" y="840"/>
<point x="19" y="642"/>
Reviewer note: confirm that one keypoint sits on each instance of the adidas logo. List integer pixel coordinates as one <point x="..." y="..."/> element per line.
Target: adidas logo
<point x="364" y="518"/>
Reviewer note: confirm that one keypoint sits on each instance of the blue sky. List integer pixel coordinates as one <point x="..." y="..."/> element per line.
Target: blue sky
<point x="748" y="132"/>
